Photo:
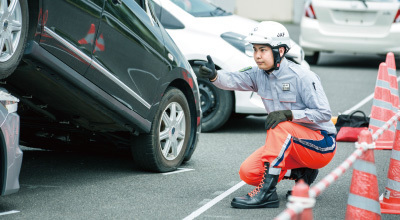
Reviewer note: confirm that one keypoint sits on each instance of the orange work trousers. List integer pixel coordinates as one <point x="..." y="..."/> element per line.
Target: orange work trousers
<point x="288" y="146"/>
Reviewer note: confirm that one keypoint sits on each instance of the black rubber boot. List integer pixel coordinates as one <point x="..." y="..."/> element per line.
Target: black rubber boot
<point x="264" y="196"/>
<point x="307" y="174"/>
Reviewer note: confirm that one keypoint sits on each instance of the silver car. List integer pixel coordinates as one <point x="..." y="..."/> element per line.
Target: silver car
<point x="10" y="153"/>
<point x="350" y="26"/>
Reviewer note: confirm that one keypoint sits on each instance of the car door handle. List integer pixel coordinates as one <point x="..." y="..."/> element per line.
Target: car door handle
<point x="116" y="2"/>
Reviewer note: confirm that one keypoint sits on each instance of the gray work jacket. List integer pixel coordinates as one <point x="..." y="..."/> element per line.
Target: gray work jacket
<point x="292" y="87"/>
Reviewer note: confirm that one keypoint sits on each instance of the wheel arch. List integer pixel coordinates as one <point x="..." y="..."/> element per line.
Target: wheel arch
<point x="185" y="88"/>
<point x="34" y="11"/>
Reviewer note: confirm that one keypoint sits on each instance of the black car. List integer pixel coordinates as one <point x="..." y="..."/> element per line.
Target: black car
<point x="100" y="72"/>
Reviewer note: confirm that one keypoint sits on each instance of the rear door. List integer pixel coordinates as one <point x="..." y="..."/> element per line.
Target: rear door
<point x="355" y="18"/>
<point x="127" y="59"/>
<point x="69" y="30"/>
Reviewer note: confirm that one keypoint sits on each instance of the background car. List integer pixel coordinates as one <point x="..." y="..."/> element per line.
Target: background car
<point x="200" y="29"/>
<point x="100" y="73"/>
<point x="10" y="153"/>
<point x="368" y="26"/>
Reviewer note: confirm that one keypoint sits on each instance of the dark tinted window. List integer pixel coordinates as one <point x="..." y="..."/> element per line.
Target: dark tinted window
<point x="167" y="20"/>
<point x="140" y="2"/>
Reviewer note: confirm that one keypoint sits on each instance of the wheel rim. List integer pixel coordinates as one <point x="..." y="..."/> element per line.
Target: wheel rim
<point x="10" y="29"/>
<point x="208" y="100"/>
<point x="172" y="130"/>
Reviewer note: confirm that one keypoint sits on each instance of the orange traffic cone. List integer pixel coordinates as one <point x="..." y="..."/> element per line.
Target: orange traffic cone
<point x="390" y="199"/>
<point x="382" y="109"/>
<point x="301" y="190"/>
<point x="390" y="61"/>
<point x="363" y="197"/>
<point x="394" y="87"/>
<point x="89" y="36"/>
<point x="99" y="45"/>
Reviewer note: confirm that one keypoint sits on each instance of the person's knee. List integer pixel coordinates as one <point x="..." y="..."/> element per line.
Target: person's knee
<point x="285" y="124"/>
<point x="248" y="177"/>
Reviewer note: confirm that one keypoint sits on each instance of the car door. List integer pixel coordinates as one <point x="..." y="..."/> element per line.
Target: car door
<point x="128" y="60"/>
<point x="69" y="29"/>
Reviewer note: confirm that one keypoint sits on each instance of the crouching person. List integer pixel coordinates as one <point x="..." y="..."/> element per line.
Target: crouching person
<point x="300" y="134"/>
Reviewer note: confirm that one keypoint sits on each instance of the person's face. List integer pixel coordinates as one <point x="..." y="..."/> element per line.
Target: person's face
<point x="263" y="56"/>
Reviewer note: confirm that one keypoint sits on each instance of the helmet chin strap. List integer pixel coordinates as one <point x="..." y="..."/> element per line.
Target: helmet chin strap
<point x="277" y="59"/>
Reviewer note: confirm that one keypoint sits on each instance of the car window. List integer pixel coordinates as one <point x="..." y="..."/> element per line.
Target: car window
<point x="200" y="8"/>
<point x="140" y="2"/>
<point x="168" y="20"/>
<point x="151" y="11"/>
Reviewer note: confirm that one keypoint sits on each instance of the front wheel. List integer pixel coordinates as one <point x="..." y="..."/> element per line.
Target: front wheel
<point x="13" y="34"/>
<point x="216" y="104"/>
<point x="163" y="149"/>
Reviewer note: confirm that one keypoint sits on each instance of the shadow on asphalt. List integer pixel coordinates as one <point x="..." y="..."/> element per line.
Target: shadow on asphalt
<point x="46" y="166"/>
<point x="250" y="124"/>
<point x="41" y="166"/>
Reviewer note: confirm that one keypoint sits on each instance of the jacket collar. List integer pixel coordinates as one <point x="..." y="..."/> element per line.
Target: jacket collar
<point x="279" y="72"/>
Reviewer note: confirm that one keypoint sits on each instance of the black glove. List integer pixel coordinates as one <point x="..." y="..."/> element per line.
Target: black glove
<point x="274" y="118"/>
<point x="207" y="69"/>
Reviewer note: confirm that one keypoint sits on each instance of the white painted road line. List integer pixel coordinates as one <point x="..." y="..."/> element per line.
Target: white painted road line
<point x="9" y="212"/>
<point x="367" y="99"/>
<point x="214" y="201"/>
<point x="179" y="170"/>
<point x="38" y="186"/>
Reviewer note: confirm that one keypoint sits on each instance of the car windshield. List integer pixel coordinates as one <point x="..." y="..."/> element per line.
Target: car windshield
<point x="200" y="8"/>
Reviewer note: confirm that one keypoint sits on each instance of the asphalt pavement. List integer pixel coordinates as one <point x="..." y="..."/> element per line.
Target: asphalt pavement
<point x="107" y="185"/>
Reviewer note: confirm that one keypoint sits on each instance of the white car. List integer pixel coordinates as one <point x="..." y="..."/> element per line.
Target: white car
<point x="200" y="29"/>
<point x="364" y="26"/>
<point x="10" y="153"/>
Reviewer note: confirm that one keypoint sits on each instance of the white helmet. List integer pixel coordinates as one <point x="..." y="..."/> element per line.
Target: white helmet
<point x="271" y="33"/>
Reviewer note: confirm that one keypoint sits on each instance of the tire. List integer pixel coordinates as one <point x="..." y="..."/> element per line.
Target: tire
<point x="312" y="59"/>
<point x="149" y="152"/>
<point x="216" y="104"/>
<point x="13" y="37"/>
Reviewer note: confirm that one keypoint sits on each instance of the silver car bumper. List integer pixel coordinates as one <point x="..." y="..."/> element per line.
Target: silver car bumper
<point x="9" y="139"/>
